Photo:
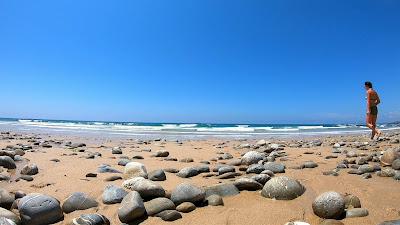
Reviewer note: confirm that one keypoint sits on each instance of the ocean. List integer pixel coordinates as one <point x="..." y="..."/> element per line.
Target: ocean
<point x="182" y="129"/>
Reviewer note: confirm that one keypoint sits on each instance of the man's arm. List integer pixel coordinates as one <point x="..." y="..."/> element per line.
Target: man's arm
<point x="378" y="100"/>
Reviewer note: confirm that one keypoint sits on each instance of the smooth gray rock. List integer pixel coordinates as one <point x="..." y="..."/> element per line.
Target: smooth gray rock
<point x="188" y="172"/>
<point x="146" y="188"/>
<point x="39" y="209"/>
<point x="186" y="207"/>
<point x="275" y="167"/>
<point x="356" y="212"/>
<point x="131" y="207"/>
<point x="226" y="169"/>
<point x="252" y="157"/>
<point x="310" y="164"/>
<point x="78" y="201"/>
<point x="158" y="205"/>
<point x="222" y="190"/>
<point x="169" y="215"/>
<point x="203" y="169"/>
<point x="91" y="219"/>
<point x="329" y="205"/>
<point x="282" y="188"/>
<point x="247" y="184"/>
<point x="157" y="175"/>
<point x="215" y="200"/>
<point x="6" y="198"/>
<point x="135" y="169"/>
<point x="7" y="162"/>
<point x="186" y="192"/>
<point x="31" y="169"/>
<point x="255" y="168"/>
<point x="113" y="194"/>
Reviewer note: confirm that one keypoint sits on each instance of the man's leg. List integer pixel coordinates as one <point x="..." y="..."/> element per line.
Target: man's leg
<point x="370" y="125"/>
<point x="373" y="121"/>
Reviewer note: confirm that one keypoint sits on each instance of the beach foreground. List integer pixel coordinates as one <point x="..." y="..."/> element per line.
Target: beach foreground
<point x="351" y="165"/>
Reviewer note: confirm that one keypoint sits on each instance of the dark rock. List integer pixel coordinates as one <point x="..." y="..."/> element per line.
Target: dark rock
<point x="39" y="209"/>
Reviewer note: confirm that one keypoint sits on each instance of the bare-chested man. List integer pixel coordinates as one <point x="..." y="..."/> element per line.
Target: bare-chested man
<point x="372" y="109"/>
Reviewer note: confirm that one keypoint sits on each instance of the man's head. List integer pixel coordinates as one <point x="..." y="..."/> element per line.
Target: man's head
<point x="368" y="85"/>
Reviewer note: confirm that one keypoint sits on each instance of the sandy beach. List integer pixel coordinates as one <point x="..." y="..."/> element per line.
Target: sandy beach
<point x="63" y="168"/>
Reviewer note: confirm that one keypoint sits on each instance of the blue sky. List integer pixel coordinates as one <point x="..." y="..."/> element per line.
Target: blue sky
<point x="199" y="61"/>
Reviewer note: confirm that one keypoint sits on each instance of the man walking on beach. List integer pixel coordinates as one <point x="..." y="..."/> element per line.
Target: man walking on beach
<point x="372" y="109"/>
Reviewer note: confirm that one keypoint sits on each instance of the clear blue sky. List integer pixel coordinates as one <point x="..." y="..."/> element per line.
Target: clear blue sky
<point x="199" y="61"/>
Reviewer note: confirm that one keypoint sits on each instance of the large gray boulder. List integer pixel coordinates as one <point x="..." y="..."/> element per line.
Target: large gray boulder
<point x="131" y="207"/>
<point x="329" y="205"/>
<point x="78" y="201"/>
<point x="135" y="169"/>
<point x="146" y="188"/>
<point x="39" y="209"/>
<point x="187" y="193"/>
<point x="158" y="205"/>
<point x="282" y="188"/>
<point x="113" y="194"/>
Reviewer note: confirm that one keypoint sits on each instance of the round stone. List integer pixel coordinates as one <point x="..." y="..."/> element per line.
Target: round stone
<point x="78" y="201"/>
<point x="31" y="169"/>
<point x="157" y="175"/>
<point x="282" y="188"/>
<point x="113" y="194"/>
<point x="39" y="209"/>
<point x="158" y="205"/>
<point x="247" y="184"/>
<point x="186" y="207"/>
<point x="169" y="215"/>
<point x="329" y="205"/>
<point x="252" y="157"/>
<point x="135" y="169"/>
<point x="215" y="200"/>
<point x="146" y="188"/>
<point x="187" y="193"/>
<point x="7" y="162"/>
